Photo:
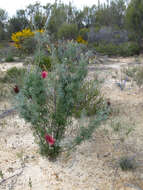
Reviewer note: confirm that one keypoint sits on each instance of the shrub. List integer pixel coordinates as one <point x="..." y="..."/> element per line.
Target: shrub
<point x="91" y="99"/>
<point x="45" y="63"/>
<point x="139" y="76"/>
<point x="136" y="73"/>
<point x="24" y="40"/>
<point x="9" y="58"/>
<point x="14" y="75"/>
<point x="68" y="31"/>
<point x="124" y="49"/>
<point x="19" y="37"/>
<point x="48" y="101"/>
<point x="127" y="163"/>
<point x="29" y="45"/>
<point x="84" y="33"/>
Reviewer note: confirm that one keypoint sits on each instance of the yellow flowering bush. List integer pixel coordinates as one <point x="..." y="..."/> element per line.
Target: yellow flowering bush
<point x="19" y="37"/>
<point x="81" y="40"/>
<point x="22" y="37"/>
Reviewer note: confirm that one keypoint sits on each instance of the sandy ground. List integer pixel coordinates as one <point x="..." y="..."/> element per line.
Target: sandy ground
<point x="95" y="164"/>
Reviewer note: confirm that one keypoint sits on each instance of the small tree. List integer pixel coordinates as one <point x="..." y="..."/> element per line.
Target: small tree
<point x="68" y="31"/>
<point x="134" y="19"/>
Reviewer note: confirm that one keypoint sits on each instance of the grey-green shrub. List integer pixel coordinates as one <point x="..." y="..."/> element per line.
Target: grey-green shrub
<point x="14" y="75"/>
<point x="9" y="58"/>
<point x="68" y="31"/>
<point x="91" y="100"/>
<point x="124" y="49"/>
<point x="83" y="32"/>
<point x="127" y="164"/>
<point x="48" y="103"/>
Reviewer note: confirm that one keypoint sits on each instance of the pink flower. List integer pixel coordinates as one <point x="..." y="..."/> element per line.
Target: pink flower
<point x="50" y="139"/>
<point x="44" y="74"/>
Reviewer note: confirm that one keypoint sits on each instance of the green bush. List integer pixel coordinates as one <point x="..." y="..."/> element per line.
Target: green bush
<point x="91" y="100"/>
<point x="139" y="76"/>
<point x="127" y="164"/>
<point x="9" y="58"/>
<point x="136" y="73"/>
<point x="14" y="75"/>
<point x="45" y="63"/>
<point x="28" y="46"/>
<point x="68" y="31"/>
<point x="83" y="32"/>
<point x="48" y="101"/>
<point x="124" y="49"/>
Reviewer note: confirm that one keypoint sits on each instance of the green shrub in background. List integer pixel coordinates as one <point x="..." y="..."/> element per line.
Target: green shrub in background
<point x="127" y="164"/>
<point x="139" y="76"/>
<point x="136" y="73"/>
<point x="124" y="49"/>
<point x="91" y="100"/>
<point x="68" y="31"/>
<point x="83" y="32"/>
<point x="8" y="53"/>
<point x="45" y="63"/>
<point x="47" y="100"/>
<point x="9" y="58"/>
<point x="14" y="75"/>
<point x="28" y="46"/>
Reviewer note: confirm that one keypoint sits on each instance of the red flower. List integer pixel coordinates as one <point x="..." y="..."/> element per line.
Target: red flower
<point x="44" y="74"/>
<point x="49" y="139"/>
<point x="16" y="89"/>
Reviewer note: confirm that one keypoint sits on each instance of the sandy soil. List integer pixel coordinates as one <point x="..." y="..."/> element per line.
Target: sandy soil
<point x="95" y="164"/>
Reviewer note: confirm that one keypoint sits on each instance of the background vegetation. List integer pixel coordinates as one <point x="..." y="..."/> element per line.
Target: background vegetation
<point x="113" y="28"/>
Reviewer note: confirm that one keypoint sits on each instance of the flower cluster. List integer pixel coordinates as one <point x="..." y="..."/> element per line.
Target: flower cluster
<point x="81" y="40"/>
<point x="20" y="36"/>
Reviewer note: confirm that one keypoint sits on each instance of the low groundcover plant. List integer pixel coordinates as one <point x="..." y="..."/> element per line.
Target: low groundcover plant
<point x="48" y="99"/>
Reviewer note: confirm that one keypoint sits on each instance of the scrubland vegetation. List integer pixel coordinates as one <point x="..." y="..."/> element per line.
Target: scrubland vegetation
<point x="61" y="75"/>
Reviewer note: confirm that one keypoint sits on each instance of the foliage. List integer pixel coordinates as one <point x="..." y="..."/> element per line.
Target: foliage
<point x="57" y="18"/>
<point x="28" y="45"/>
<point x="8" y="51"/>
<point x="66" y="21"/>
<point x="19" y="37"/>
<point x="124" y="49"/>
<point x="134" y="17"/>
<point x="136" y="73"/>
<point x="109" y="35"/>
<point x="14" y="75"/>
<point x="91" y="100"/>
<point x="45" y="63"/>
<point x="127" y="164"/>
<point x="3" y="18"/>
<point x="111" y="14"/>
<point x="68" y="31"/>
<point x="47" y="102"/>
<point x="9" y="58"/>
<point x="83" y="32"/>
<point x="17" y="23"/>
<point x="139" y="76"/>
<point x="130" y="71"/>
<point x="24" y="40"/>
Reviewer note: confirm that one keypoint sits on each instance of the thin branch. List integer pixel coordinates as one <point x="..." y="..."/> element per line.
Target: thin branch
<point x="18" y="174"/>
<point x="7" y="112"/>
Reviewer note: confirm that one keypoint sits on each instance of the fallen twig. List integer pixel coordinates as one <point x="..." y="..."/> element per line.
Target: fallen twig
<point x="4" y="180"/>
<point x="7" y="112"/>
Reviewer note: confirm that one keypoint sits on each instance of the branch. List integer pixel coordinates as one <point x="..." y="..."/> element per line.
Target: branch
<point x="18" y="174"/>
